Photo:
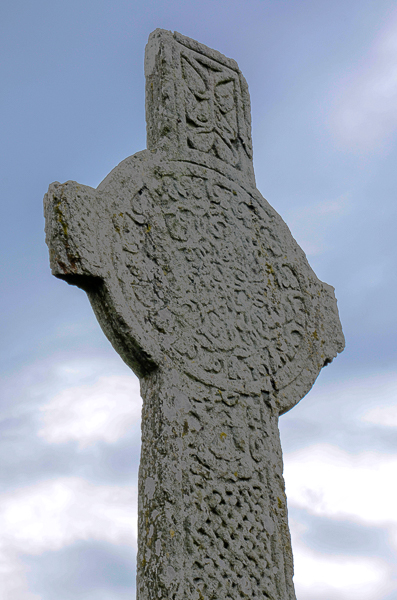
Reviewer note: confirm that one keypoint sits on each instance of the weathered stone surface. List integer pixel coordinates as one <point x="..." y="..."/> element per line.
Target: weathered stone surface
<point x="202" y="290"/>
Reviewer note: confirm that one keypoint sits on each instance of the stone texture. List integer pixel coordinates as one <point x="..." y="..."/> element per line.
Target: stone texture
<point x="204" y="293"/>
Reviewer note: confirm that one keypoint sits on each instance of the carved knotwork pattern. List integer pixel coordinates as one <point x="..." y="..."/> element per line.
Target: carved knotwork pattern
<point x="235" y="472"/>
<point x="198" y="107"/>
<point x="211" y="107"/>
<point x="231" y="529"/>
<point x="199" y="258"/>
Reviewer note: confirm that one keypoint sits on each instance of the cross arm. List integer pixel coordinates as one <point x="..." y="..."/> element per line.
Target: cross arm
<point x="72" y="219"/>
<point x="79" y="226"/>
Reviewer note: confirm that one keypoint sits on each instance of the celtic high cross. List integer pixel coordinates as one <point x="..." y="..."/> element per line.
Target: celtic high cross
<point x="202" y="290"/>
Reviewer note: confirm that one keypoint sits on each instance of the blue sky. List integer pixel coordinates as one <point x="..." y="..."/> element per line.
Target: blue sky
<point x="323" y="84"/>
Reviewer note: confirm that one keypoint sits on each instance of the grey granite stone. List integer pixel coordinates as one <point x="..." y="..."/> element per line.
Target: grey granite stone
<point x="202" y="290"/>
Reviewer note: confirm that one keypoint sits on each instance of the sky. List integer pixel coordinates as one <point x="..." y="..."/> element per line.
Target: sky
<point x="323" y="82"/>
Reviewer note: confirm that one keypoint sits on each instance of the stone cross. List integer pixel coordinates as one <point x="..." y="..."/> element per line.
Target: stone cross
<point x="202" y="290"/>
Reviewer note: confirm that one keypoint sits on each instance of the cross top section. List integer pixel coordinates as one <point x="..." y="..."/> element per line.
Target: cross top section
<point x="185" y="263"/>
<point x="197" y="104"/>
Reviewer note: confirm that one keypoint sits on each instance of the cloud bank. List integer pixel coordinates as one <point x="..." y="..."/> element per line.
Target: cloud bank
<point x="56" y="513"/>
<point x="103" y="411"/>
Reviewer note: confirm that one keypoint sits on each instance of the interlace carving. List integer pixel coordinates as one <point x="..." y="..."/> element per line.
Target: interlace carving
<point x="202" y="261"/>
<point x="211" y="108"/>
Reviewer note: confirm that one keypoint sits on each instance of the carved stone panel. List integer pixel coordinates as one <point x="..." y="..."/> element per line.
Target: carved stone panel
<point x="211" y="274"/>
<point x="197" y="104"/>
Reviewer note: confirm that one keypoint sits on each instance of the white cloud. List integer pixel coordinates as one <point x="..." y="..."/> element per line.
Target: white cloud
<point x="365" y="112"/>
<point x="382" y="415"/>
<point x="72" y="400"/>
<point x="103" y="410"/>
<point x="339" y="577"/>
<point x="53" y="514"/>
<point x="329" y="482"/>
